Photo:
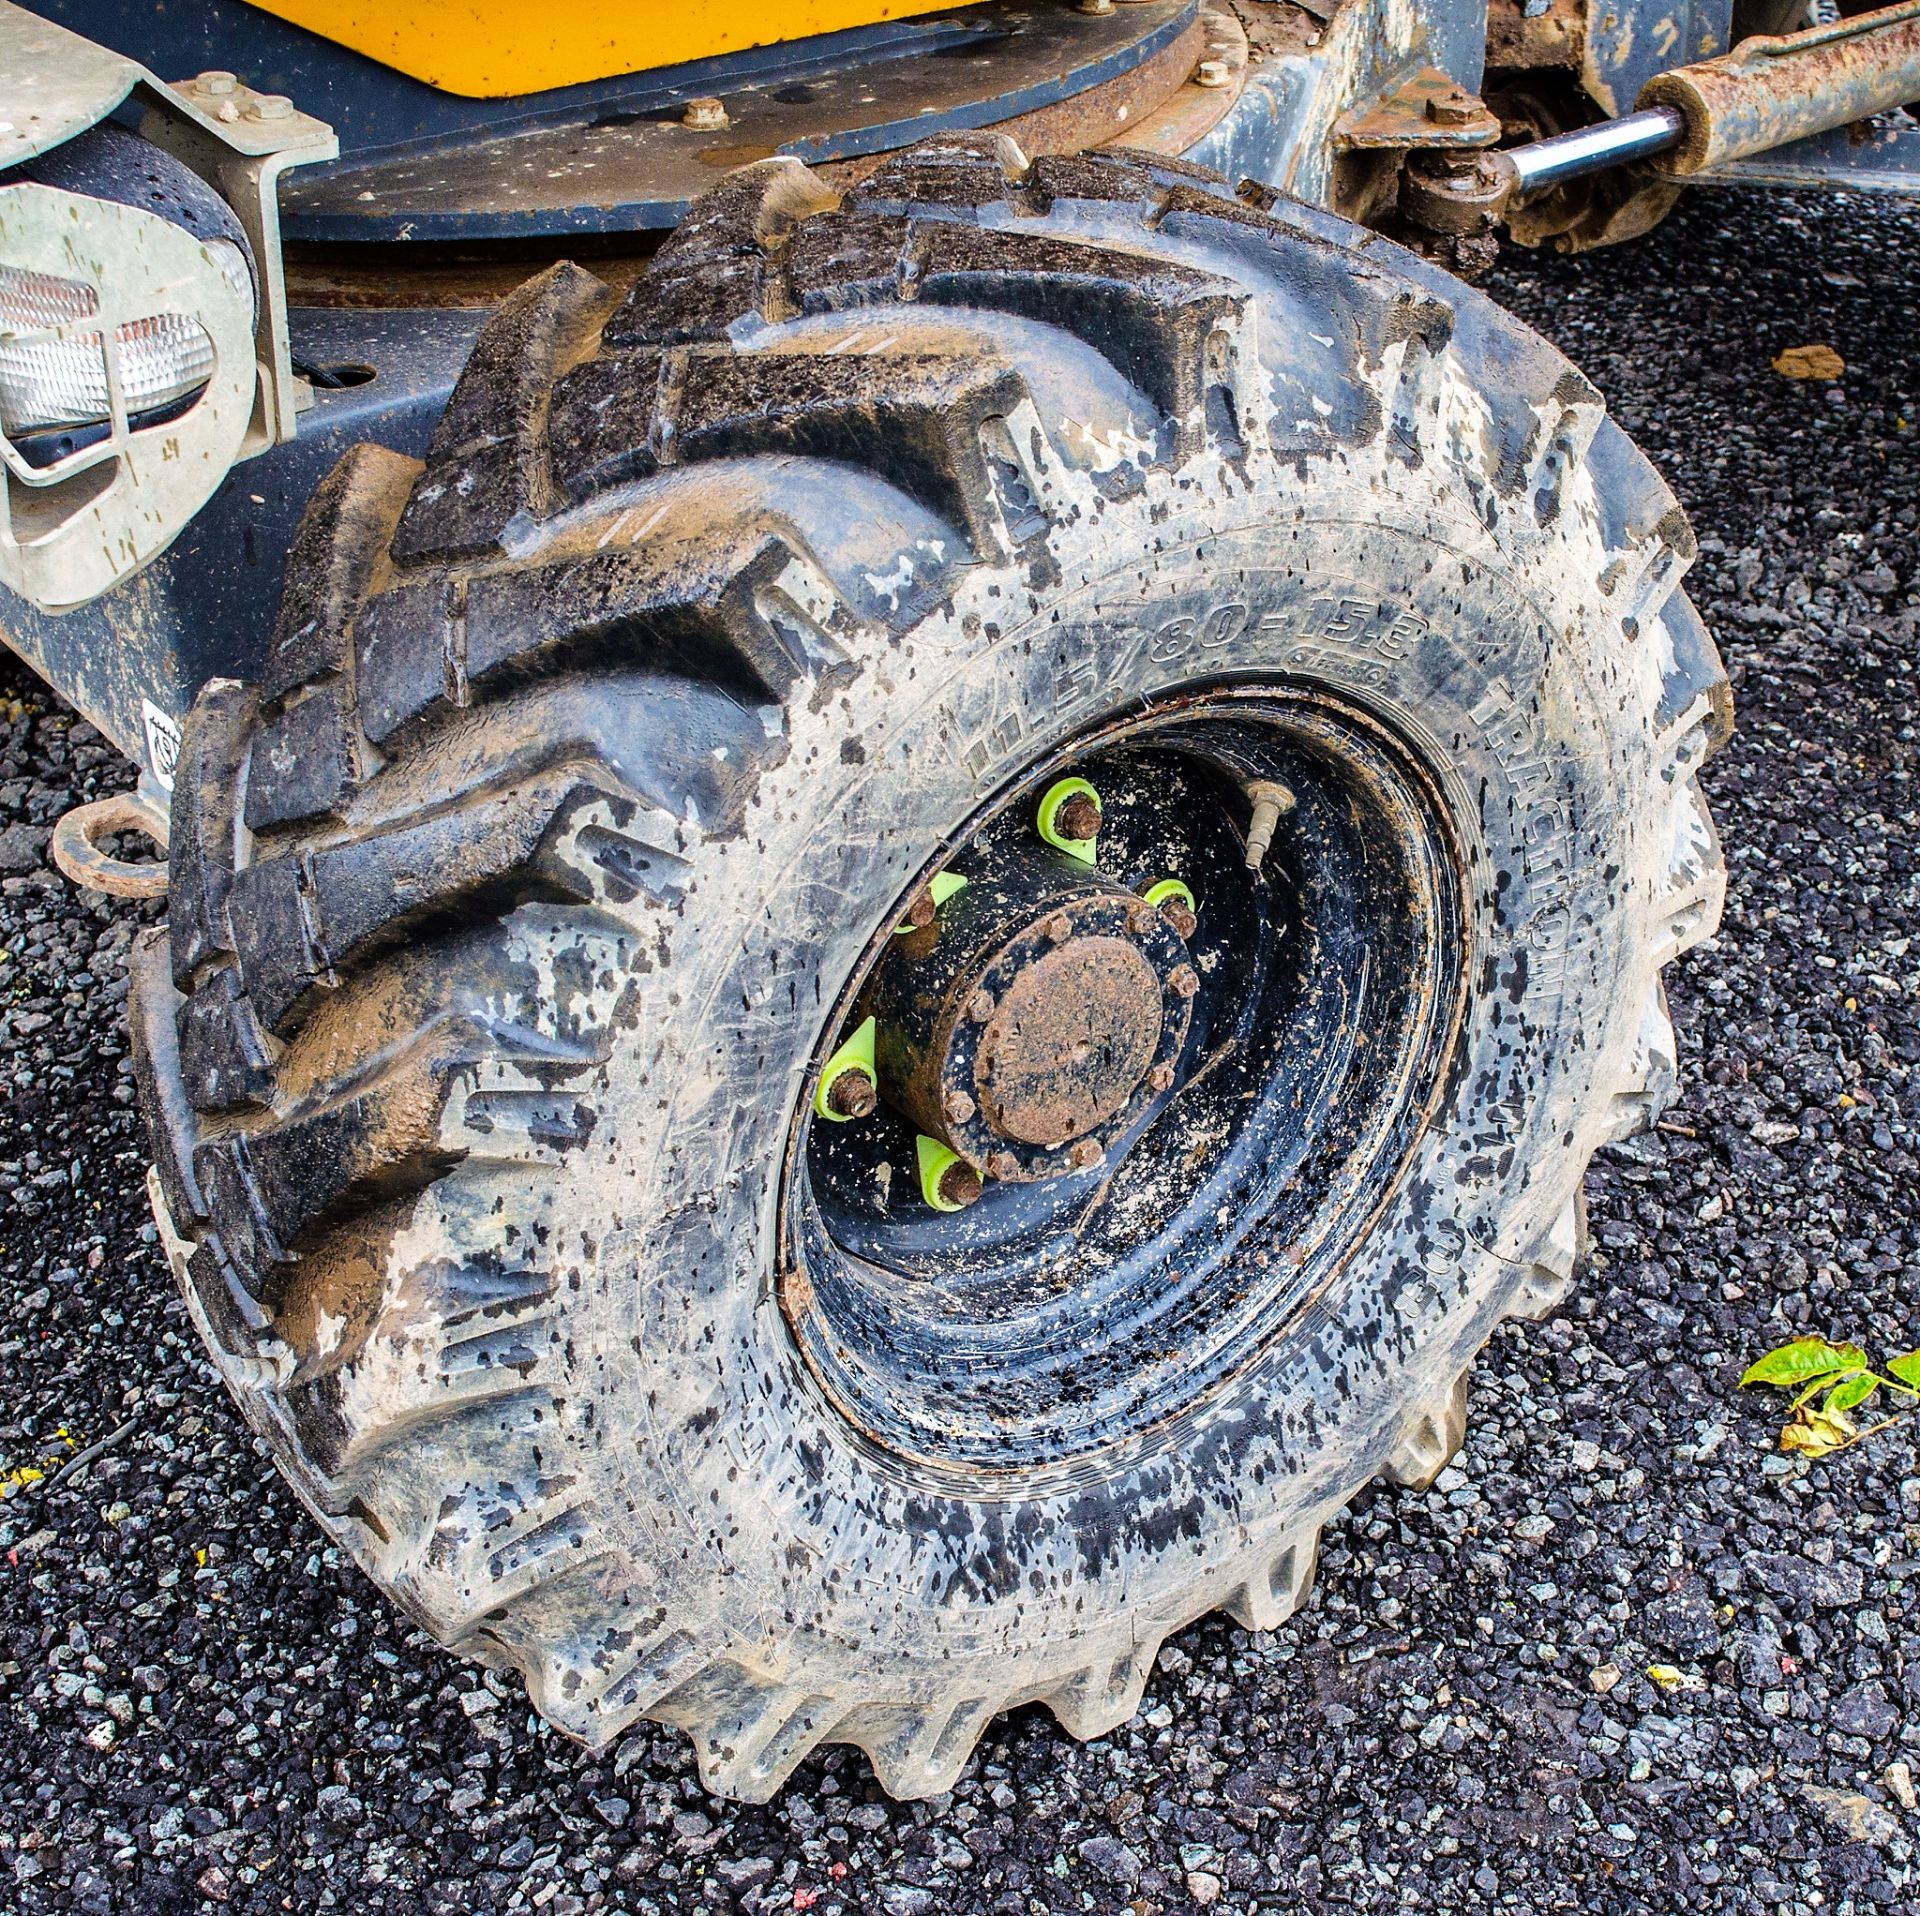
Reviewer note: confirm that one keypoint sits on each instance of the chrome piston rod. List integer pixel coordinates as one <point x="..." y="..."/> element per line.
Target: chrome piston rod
<point x="1765" y="93"/>
<point x="1545" y="164"/>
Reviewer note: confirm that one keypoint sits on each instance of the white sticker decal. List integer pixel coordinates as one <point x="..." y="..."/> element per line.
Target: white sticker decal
<point x="163" y="743"/>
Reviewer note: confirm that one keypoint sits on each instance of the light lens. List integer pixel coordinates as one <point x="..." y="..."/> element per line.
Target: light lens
<point x="44" y="383"/>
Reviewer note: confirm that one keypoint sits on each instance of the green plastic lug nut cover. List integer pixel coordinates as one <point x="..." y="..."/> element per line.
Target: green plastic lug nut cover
<point x="1046" y="817"/>
<point x="857" y="1054"/>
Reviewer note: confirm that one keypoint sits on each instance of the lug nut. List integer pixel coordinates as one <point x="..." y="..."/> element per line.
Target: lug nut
<point x="1213" y="73"/>
<point x="960" y="1185"/>
<point x="1160" y="1078"/>
<point x="1003" y="1164"/>
<point x="848" y="1079"/>
<point x="1454" y="107"/>
<point x="925" y="909"/>
<point x="1141" y="919"/>
<point x="1058" y="926"/>
<point x="705" y="116"/>
<point x="1079" y="817"/>
<point x="980" y="1007"/>
<point x="958" y="1107"/>
<point x="1271" y="802"/>
<point x="1175" y="904"/>
<point x="1096" y="6"/>
<point x="947" y="1181"/>
<point x="1085" y="1155"/>
<point x="1069" y="818"/>
<point x="1184" y="982"/>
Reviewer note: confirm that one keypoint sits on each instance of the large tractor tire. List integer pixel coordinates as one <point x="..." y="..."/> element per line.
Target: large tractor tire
<point x="1287" y="652"/>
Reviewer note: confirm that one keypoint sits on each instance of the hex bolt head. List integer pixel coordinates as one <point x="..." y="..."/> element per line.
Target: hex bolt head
<point x="1213" y="73"/>
<point x="1079" y="817"/>
<point x="1160" y="1078"/>
<point x="1177" y="913"/>
<point x="1059" y="927"/>
<point x="960" y="1185"/>
<point x="852" y="1094"/>
<point x="705" y="116"/>
<point x="269" y="106"/>
<point x="921" y="913"/>
<point x="1085" y="1155"/>
<point x="216" y="82"/>
<point x="957" y="1106"/>
<point x="1003" y="1164"/>
<point x="1454" y="107"/>
<point x="1141" y="919"/>
<point x="980" y="1007"/>
<point x="1096" y="6"/>
<point x="1184" y="982"/>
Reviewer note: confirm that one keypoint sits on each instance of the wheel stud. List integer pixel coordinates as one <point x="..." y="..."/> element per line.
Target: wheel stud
<point x="1271" y="802"/>
<point x="1175" y="904"/>
<point x="947" y="1181"/>
<point x="852" y="1094"/>
<point x="1069" y="818"/>
<point x="848" y="1082"/>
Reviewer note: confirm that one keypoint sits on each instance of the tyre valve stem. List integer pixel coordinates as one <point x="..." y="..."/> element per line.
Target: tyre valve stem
<point x="1271" y="803"/>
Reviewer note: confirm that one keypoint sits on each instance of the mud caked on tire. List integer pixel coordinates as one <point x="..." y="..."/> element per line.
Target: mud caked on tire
<point x="569" y="826"/>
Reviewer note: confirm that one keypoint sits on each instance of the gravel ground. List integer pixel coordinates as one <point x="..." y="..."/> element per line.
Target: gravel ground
<point x="204" y="1706"/>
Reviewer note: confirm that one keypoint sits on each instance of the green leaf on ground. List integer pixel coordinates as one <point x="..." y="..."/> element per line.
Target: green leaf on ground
<point x="1806" y="1358"/>
<point x="1851" y="1391"/>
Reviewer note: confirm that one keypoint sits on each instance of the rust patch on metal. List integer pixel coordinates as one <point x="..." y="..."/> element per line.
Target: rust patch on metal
<point x="1070" y="1041"/>
<point x="1774" y="89"/>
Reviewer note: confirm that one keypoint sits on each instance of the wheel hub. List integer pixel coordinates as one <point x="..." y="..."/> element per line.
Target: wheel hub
<point x="1035" y="1019"/>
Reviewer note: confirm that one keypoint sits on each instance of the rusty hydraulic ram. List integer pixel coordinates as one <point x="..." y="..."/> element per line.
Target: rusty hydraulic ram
<point x="1766" y="92"/>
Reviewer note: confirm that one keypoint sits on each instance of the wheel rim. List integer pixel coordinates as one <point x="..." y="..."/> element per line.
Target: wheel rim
<point x="1178" y="1127"/>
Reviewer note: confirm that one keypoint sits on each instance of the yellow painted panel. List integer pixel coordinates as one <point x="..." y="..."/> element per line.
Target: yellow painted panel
<point x="491" y="49"/>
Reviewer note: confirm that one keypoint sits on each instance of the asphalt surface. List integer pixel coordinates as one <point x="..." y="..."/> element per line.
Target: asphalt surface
<point x="202" y="1706"/>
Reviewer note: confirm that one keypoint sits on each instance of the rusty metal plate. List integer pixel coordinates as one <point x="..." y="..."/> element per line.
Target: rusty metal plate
<point x="1429" y="110"/>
